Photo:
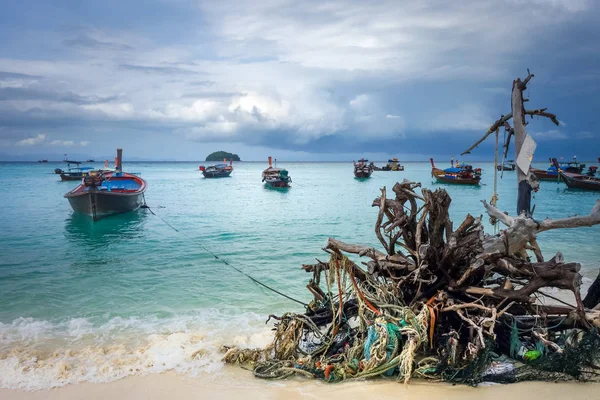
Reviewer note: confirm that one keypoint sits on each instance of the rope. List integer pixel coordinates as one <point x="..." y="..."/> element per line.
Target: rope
<point x="226" y="262"/>
<point x="494" y="199"/>
<point x="251" y="278"/>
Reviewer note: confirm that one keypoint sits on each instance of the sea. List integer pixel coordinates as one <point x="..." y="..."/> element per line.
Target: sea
<point x="140" y="293"/>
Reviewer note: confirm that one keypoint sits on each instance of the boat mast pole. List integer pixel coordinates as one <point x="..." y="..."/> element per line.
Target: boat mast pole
<point x="119" y="166"/>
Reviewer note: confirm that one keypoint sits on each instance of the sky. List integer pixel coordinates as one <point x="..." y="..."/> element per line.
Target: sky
<point x="298" y="80"/>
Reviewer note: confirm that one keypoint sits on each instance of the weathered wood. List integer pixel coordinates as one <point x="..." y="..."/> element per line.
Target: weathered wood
<point x="356" y="249"/>
<point x="522" y="230"/>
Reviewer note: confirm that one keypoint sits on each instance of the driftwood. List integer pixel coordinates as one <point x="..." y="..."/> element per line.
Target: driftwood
<point x="434" y="302"/>
<point x="521" y="233"/>
<point x="525" y="179"/>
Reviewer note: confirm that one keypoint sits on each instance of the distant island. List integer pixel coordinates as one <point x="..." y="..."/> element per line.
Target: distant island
<point x="220" y="155"/>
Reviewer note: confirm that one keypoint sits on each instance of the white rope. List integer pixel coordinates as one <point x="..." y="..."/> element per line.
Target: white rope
<point x="494" y="199"/>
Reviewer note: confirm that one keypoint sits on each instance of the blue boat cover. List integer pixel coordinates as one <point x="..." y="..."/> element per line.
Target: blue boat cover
<point x="453" y="170"/>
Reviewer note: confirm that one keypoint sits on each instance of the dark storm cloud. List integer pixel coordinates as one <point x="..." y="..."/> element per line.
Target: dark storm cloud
<point x="26" y="93"/>
<point x="4" y="75"/>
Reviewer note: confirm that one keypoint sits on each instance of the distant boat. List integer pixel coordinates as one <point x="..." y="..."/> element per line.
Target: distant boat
<point x="275" y="177"/>
<point x="75" y="174"/>
<point x="106" y="193"/>
<point x="43" y="161"/>
<point x="577" y="181"/>
<point x="508" y="165"/>
<point x="90" y="160"/>
<point x="462" y="174"/>
<point x="393" y="165"/>
<point x="217" y="171"/>
<point x="362" y="169"/>
<point x="551" y="174"/>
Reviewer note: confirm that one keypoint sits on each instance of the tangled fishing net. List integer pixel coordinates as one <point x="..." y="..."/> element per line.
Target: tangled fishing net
<point x="434" y="305"/>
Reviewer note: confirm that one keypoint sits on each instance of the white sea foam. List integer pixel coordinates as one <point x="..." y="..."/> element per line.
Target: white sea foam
<point x="37" y="354"/>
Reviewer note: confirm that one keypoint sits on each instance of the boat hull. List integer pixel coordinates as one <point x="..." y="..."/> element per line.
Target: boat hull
<point x="542" y="175"/>
<point x="97" y="204"/>
<point x="277" y="183"/>
<point x="457" y="181"/>
<point x="386" y="168"/>
<point x="441" y="177"/>
<point x="219" y="174"/>
<point x="68" y="177"/>
<point x="362" y="174"/>
<point x="577" y="181"/>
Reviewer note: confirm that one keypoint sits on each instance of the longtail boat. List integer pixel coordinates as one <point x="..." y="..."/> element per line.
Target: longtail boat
<point x="362" y="169"/>
<point x="508" y="165"/>
<point x="76" y="173"/>
<point x="276" y="177"/>
<point x="217" y="171"/>
<point x="463" y="174"/>
<point x="551" y="174"/>
<point x="577" y="181"/>
<point x="101" y="194"/>
<point x="393" y="165"/>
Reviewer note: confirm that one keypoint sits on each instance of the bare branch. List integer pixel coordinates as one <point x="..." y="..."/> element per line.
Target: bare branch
<point x="573" y="222"/>
<point x="500" y="122"/>
<point x="542" y="113"/>
<point x="494" y="212"/>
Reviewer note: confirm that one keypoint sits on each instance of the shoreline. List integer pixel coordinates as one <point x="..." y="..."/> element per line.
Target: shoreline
<point x="236" y="383"/>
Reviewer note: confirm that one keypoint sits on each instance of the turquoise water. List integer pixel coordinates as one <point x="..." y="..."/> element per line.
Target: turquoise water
<point x="83" y="301"/>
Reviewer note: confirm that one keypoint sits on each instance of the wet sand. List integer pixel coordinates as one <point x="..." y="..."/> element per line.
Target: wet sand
<point x="238" y="384"/>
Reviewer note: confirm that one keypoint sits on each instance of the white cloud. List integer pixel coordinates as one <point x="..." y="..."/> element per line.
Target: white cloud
<point x="550" y="135"/>
<point x="69" y="143"/>
<point x="39" y="139"/>
<point x="586" y="135"/>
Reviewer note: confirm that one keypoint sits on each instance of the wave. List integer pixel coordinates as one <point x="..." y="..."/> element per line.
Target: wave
<point x="39" y="354"/>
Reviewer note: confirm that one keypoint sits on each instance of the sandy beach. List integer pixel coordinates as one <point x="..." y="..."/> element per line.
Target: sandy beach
<point x="234" y="383"/>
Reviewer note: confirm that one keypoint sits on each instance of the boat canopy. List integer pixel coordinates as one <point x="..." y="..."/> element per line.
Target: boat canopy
<point x="453" y="170"/>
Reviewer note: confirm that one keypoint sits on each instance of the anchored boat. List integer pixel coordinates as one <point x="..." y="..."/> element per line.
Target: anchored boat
<point x="393" y="165"/>
<point x="508" y="165"/>
<point x="276" y="177"/>
<point x="101" y="194"/>
<point x="551" y="174"/>
<point x="362" y="169"/>
<point x="75" y="173"/>
<point x="577" y="181"/>
<point x="217" y="171"/>
<point x="462" y="174"/>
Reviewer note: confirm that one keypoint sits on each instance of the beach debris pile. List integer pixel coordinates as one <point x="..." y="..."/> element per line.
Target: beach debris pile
<point x="441" y="303"/>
